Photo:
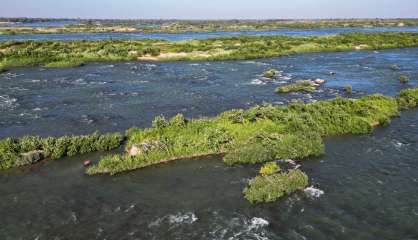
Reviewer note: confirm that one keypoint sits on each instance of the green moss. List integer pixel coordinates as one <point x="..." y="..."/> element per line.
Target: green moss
<point x="12" y="150"/>
<point x="264" y="189"/>
<point x="298" y="86"/>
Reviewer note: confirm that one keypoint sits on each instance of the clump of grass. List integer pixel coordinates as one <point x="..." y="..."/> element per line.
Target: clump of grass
<point x="269" y="168"/>
<point x="270" y="73"/>
<point x="15" y="151"/>
<point x="298" y="86"/>
<point x="264" y="189"/>
<point x="404" y="79"/>
<point x="348" y="89"/>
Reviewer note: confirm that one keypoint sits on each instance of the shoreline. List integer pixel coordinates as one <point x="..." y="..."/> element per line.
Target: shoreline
<point x="77" y="53"/>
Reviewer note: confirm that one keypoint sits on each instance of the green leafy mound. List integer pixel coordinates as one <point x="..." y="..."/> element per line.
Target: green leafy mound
<point x="17" y="152"/>
<point x="299" y="86"/>
<point x="264" y="189"/>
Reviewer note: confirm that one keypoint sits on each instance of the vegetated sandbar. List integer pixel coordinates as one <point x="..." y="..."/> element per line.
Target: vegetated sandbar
<point x="181" y="26"/>
<point x="75" y="53"/>
<point x="258" y="135"/>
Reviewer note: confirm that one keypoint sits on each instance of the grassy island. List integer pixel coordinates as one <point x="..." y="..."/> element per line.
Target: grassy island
<point x="257" y="135"/>
<point x="75" y="53"/>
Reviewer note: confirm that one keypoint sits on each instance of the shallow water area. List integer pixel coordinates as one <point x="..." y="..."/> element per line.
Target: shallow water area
<point x="369" y="193"/>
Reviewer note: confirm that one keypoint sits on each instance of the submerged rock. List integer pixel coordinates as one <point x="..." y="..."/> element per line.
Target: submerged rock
<point x="30" y="157"/>
<point x="313" y="192"/>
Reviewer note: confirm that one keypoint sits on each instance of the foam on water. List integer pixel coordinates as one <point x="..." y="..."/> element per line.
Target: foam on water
<point x="313" y="192"/>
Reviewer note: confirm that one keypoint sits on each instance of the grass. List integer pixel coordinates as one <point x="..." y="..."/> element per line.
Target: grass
<point x="74" y="53"/>
<point x="299" y="86"/>
<point x="29" y="149"/>
<point x="257" y="135"/>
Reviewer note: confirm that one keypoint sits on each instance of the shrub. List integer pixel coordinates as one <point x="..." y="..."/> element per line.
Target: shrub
<point x="269" y="168"/>
<point x="264" y="189"/>
<point x="159" y="122"/>
<point x="298" y="86"/>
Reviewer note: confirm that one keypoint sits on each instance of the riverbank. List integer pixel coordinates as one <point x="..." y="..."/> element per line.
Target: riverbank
<point x="178" y="26"/>
<point x="77" y="53"/>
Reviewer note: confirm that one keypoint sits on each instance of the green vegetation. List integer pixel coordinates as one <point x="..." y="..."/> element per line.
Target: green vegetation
<point x="28" y="150"/>
<point x="270" y="73"/>
<point x="404" y="78"/>
<point x="269" y="169"/>
<point x="299" y="86"/>
<point x="264" y="189"/>
<point x="348" y="89"/>
<point x="74" y="53"/>
<point x="257" y="135"/>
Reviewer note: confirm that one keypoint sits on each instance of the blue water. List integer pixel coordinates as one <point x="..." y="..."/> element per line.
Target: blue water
<point x="198" y="35"/>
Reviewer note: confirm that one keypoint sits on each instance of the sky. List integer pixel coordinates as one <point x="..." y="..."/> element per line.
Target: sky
<point x="210" y="9"/>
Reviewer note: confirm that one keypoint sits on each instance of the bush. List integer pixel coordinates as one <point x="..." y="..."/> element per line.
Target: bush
<point x="30" y="149"/>
<point x="269" y="168"/>
<point x="264" y="189"/>
<point x="299" y="86"/>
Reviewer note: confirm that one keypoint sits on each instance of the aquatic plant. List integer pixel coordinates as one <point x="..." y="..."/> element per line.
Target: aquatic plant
<point x="264" y="189"/>
<point x="76" y="53"/>
<point x="30" y="149"/>
<point x="299" y="86"/>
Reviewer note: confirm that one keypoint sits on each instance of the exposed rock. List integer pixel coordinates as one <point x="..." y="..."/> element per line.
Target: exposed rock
<point x="30" y="157"/>
<point x="134" y="151"/>
<point x="313" y="192"/>
<point x="319" y="81"/>
<point x="87" y="163"/>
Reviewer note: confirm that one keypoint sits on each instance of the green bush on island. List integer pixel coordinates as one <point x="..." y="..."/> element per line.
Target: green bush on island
<point x="264" y="189"/>
<point x="269" y="169"/>
<point x="29" y="149"/>
<point x="74" y="53"/>
<point x="260" y="134"/>
<point x="299" y="86"/>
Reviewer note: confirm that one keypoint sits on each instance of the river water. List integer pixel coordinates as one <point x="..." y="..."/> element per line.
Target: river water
<point x="198" y="35"/>
<point x="370" y="182"/>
